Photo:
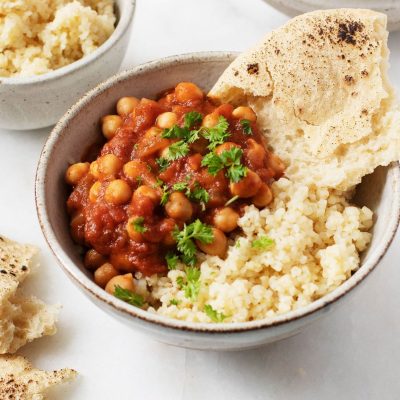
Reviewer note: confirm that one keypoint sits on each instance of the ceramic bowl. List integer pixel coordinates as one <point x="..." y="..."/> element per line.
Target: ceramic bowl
<point x="295" y="7"/>
<point x="39" y="101"/>
<point x="79" y="128"/>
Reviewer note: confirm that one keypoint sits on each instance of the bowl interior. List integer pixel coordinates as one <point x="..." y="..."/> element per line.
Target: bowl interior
<point x="80" y="128"/>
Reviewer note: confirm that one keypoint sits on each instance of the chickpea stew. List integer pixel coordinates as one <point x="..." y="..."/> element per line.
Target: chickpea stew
<point x="172" y="179"/>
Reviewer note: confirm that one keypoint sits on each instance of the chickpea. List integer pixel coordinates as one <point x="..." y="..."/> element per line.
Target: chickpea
<point x="103" y="274"/>
<point x="76" y="172"/>
<point x="94" y="169"/>
<point x="124" y="281"/>
<point x="224" y="147"/>
<point x="164" y="152"/>
<point x="226" y="219"/>
<point x="263" y="197"/>
<point x="186" y="91"/>
<point x="109" y="165"/>
<point x="126" y="105"/>
<point x="132" y="232"/>
<point x="93" y="259"/>
<point x="110" y="125"/>
<point x="146" y="191"/>
<point x="94" y="192"/>
<point x="244" y="113"/>
<point x="247" y="186"/>
<point x="276" y="163"/>
<point x="78" y="228"/>
<point x="179" y="207"/>
<point x="255" y="153"/>
<point x="137" y="170"/>
<point x="217" y="247"/>
<point x="166" y="120"/>
<point x="210" y="120"/>
<point x="118" y="192"/>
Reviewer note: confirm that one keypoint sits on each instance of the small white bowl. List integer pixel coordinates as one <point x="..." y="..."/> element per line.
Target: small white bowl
<point x="295" y="7"/>
<point x="79" y="128"/>
<point x="39" y="101"/>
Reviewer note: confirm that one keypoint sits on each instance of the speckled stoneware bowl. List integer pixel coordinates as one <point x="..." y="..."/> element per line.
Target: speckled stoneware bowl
<point x="79" y="128"/>
<point x="295" y="7"/>
<point x="39" y="101"/>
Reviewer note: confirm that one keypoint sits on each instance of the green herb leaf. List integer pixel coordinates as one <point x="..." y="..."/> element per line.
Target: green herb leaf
<point x="175" y="132"/>
<point x="236" y="172"/>
<point x="184" y="238"/>
<point x="172" y="260"/>
<point x="174" y="302"/>
<point x="263" y="243"/>
<point x="214" y="315"/>
<point x="232" y="161"/>
<point x="213" y="162"/>
<point x="139" y="180"/>
<point x="246" y="125"/>
<point x="158" y="183"/>
<point x="217" y="134"/>
<point x="128" y="296"/>
<point x="162" y="163"/>
<point x="199" y="194"/>
<point x="138" y="226"/>
<point x="180" y="186"/>
<point x="165" y="195"/>
<point x="192" y="118"/>
<point x="177" y="150"/>
<point x="192" y="285"/>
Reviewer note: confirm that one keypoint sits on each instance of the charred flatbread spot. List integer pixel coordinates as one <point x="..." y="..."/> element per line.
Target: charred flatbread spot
<point x="347" y="31"/>
<point x="364" y="73"/>
<point x="252" y="69"/>
<point x="236" y="73"/>
<point x="349" y="80"/>
<point x="364" y="111"/>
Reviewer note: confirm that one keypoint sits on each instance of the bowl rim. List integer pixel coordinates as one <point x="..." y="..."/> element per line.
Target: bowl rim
<point x="125" y="20"/>
<point x="85" y="283"/>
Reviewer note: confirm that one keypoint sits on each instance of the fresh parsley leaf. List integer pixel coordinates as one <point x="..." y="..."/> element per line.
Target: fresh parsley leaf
<point x="263" y="243"/>
<point x="184" y="238"/>
<point x="139" y="180"/>
<point x="180" y="186"/>
<point x="172" y="260"/>
<point x="231" y="160"/>
<point x="213" y="162"/>
<point x="192" y="285"/>
<point x="217" y="134"/>
<point x="180" y="282"/>
<point x="175" y="132"/>
<point x="162" y="163"/>
<point x="174" y="302"/>
<point x="158" y="183"/>
<point x="237" y="244"/>
<point x="214" y="315"/>
<point x="246" y="125"/>
<point x="192" y="118"/>
<point x="199" y="194"/>
<point x="138" y="226"/>
<point x="177" y="150"/>
<point x="128" y="296"/>
<point x="165" y="195"/>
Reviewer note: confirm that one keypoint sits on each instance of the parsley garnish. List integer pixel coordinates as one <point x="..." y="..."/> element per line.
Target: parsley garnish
<point x="263" y="243"/>
<point x="139" y="180"/>
<point x="246" y="125"/>
<point x="229" y="159"/>
<point x="165" y="195"/>
<point x="192" y="285"/>
<point x="199" y="194"/>
<point x="217" y="134"/>
<point x="184" y="238"/>
<point x="181" y="186"/>
<point x="138" y="226"/>
<point x="128" y="296"/>
<point x="162" y="163"/>
<point x="172" y="260"/>
<point x="174" y="302"/>
<point x="175" y="132"/>
<point x="214" y="315"/>
<point x="177" y="150"/>
<point x="192" y="118"/>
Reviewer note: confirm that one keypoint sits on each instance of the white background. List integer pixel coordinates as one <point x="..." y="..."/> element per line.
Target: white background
<point x="354" y="354"/>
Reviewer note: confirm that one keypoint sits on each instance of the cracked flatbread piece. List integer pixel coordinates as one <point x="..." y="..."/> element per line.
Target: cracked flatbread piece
<point x="20" y="381"/>
<point x="22" y="318"/>
<point x="320" y="89"/>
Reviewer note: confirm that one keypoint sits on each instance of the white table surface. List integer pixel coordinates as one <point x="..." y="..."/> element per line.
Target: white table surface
<point x="354" y="354"/>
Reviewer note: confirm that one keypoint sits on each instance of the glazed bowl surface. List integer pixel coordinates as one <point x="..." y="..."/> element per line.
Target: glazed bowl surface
<point x="39" y="101"/>
<point x="79" y="128"/>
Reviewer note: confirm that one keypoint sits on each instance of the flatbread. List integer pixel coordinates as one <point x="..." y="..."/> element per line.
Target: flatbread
<point x="20" y="381"/>
<point x="22" y="318"/>
<point x="319" y="86"/>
